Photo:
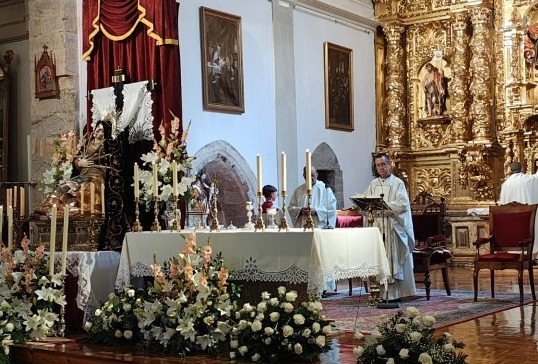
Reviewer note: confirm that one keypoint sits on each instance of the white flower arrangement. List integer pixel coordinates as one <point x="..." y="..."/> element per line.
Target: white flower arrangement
<point x="171" y="147"/>
<point x="60" y="166"/>
<point x="29" y="297"/>
<point x="280" y="330"/>
<point x="408" y="338"/>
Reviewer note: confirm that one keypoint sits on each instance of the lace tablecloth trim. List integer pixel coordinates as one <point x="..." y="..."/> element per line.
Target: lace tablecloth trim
<point x="251" y="272"/>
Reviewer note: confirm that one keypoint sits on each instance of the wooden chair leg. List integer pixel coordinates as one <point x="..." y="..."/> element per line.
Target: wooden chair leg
<point x="531" y="281"/>
<point x="350" y="282"/>
<point x="444" y="271"/>
<point x="475" y="284"/>
<point x="427" y="283"/>
<point x="492" y="282"/>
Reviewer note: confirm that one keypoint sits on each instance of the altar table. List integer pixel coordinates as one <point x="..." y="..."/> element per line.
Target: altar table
<point x="294" y="256"/>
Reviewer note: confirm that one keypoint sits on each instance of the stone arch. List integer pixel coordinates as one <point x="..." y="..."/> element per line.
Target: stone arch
<point x="326" y="162"/>
<point x="236" y="181"/>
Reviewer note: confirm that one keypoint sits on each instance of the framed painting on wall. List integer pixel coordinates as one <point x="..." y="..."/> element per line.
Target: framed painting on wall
<point x="46" y="81"/>
<point x="222" y="61"/>
<point x="338" y="87"/>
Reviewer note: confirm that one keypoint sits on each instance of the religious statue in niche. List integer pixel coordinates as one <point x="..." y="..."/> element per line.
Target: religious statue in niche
<point x="46" y="81"/>
<point x="435" y="89"/>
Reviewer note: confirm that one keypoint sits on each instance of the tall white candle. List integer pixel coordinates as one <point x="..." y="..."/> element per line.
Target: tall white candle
<point x="9" y="197"/>
<point x="136" y="182"/>
<point x="92" y="197"/>
<point x="10" y="227"/>
<point x="82" y="191"/>
<point x="155" y="188"/>
<point x="53" y="218"/>
<point x="174" y="179"/>
<point x="259" y="172"/>
<point x="64" y="241"/>
<point x="103" y="202"/>
<point x="23" y="201"/>
<point x="1" y="223"/>
<point x="308" y="171"/>
<point x="283" y="172"/>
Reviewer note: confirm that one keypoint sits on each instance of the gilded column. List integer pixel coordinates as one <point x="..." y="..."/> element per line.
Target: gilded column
<point x="459" y="87"/>
<point x="394" y="103"/>
<point x="481" y="92"/>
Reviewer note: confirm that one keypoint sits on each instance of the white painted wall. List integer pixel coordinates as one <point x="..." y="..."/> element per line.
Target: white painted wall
<point x="254" y="132"/>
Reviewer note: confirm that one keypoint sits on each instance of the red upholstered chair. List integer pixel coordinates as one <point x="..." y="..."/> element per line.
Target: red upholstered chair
<point x="511" y="240"/>
<point x="349" y="218"/>
<point x="430" y="252"/>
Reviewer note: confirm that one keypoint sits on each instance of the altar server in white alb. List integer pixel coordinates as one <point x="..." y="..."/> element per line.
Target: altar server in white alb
<point x="397" y="228"/>
<point x="323" y="203"/>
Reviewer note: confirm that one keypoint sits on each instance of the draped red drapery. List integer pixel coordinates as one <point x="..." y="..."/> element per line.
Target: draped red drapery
<point x="141" y="38"/>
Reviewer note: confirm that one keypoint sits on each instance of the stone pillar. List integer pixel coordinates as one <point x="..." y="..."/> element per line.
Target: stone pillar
<point x="395" y="103"/>
<point x="481" y="76"/>
<point x="55" y="24"/>
<point x="459" y="87"/>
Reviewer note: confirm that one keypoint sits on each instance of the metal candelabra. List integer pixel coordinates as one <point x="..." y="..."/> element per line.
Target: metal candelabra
<point x="259" y="221"/>
<point x="309" y="223"/>
<point x="137" y="227"/>
<point x="156" y="226"/>
<point x="283" y="226"/>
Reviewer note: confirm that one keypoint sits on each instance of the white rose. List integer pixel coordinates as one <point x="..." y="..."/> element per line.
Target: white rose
<point x="232" y="354"/>
<point x="243" y="350"/>
<point x="376" y="334"/>
<point x="98" y="312"/>
<point x="449" y="347"/>
<point x="269" y="331"/>
<point x="234" y="344"/>
<point x="118" y="334"/>
<point x="127" y="307"/>
<point x="288" y="307"/>
<point x="316" y="327"/>
<point x="390" y="361"/>
<point x="256" y="326"/>
<point x="291" y="296"/>
<point x="247" y="307"/>
<point x="425" y="358"/>
<point x="307" y="332"/>
<point x="412" y="311"/>
<point x="380" y="350"/>
<point x="358" y="351"/>
<point x="327" y="330"/>
<point x="273" y="301"/>
<point x="298" y="319"/>
<point x="128" y="334"/>
<point x="274" y="316"/>
<point x="287" y="330"/>
<point x="265" y="295"/>
<point x="428" y="320"/>
<point x="131" y="292"/>
<point x="404" y="353"/>
<point x="415" y="336"/>
<point x="358" y="335"/>
<point x="384" y="319"/>
<point x="88" y="326"/>
<point x="281" y="290"/>
<point x="9" y="327"/>
<point x="262" y="307"/>
<point x="400" y="328"/>
<point x="447" y="336"/>
<point x="298" y="348"/>
<point x="320" y="341"/>
<point x="256" y="357"/>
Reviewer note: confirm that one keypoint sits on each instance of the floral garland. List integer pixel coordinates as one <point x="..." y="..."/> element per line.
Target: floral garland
<point x="60" y="166"/>
<point x="171" y="147"/>
<point x="408" y="338"/>
<point x="28" y="297"/>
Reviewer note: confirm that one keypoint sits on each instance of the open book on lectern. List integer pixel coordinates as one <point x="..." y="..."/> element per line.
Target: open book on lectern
<point x="365" y="202"/>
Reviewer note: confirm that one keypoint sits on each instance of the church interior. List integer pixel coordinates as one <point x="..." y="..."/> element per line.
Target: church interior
<point x="447" y="88"/>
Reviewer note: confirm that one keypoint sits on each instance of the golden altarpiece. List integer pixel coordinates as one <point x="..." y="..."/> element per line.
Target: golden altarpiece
<point x="457" y="99"/>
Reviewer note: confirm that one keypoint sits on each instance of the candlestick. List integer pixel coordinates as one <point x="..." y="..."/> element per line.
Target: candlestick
<point x="1" y="223"/>
<point x="174" y="179"/>
<point x="52" y="248"/>
<point x="283" y="172"/>
<point x="92" y="197"/>
<point x="155" y="188"/>
<point x="136" y="182"/>
<point x="64" y="241"/>
<point x="10" y="227"/>
<point x="259" y="172"/>
<point x="103" y="198"/>
<point x="308" y="171"/>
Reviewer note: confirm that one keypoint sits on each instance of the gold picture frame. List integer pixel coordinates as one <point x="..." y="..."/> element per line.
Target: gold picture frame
<point x="338" y="87"/>
<point x="222" y="61"/>
<point x="46" y="81"/>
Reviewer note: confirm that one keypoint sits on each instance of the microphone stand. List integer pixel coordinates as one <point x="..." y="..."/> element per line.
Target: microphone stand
<point x="386" y="304"/>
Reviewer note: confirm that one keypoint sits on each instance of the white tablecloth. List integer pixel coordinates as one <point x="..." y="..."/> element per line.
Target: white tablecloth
<point x="296" y="256"/>
<point x="94" y="271"/>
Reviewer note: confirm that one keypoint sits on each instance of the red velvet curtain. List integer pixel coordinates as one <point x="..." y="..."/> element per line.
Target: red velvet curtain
<point x="141" y="38"/>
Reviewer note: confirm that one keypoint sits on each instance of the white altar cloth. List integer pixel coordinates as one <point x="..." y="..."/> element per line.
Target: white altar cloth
<point x="295" y="256"/>
<point x="94" y="271"/>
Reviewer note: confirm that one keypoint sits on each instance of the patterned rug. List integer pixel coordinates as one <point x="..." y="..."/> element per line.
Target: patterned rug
<point x="353" y="313"/>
